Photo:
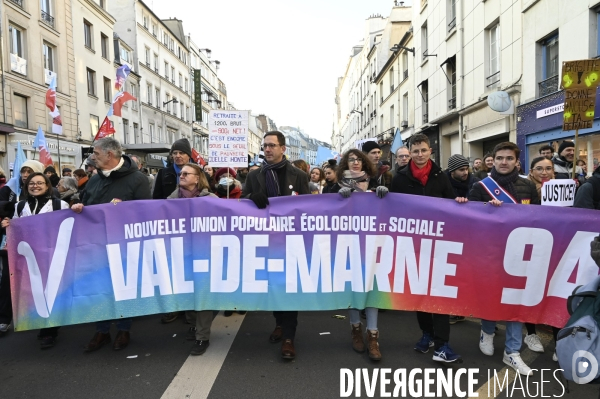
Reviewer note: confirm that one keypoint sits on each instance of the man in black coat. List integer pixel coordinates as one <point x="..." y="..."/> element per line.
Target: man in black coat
<point x="168" y="178"/>
<point x="276" y="178"/>
<point x="423" y="177"/>
<point x="118" y="179"/>
<point x="458" y="173"/>
<point x="505" y="185"/>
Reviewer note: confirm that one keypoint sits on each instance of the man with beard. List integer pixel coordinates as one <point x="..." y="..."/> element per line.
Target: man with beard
<point x="547" y="151"/>
<point x="563" y="163"/>
<point x="384" y="176"/>
<point x="461" y="179"/>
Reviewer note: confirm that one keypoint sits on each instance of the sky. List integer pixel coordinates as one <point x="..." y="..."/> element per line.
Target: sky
<point x="278" y="57"/>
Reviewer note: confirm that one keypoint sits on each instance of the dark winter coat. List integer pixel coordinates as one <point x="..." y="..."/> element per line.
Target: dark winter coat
<point x="125" y="184"/>
<point x="294" y="180"/>
<point x="165" y="184"/>
<point x="331" y="188"/>
<point x="437" y="185"/>
<point x="525" y="188"/>
<point x="462" y="189"/>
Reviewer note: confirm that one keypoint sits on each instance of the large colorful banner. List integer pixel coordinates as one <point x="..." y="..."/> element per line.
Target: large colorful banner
<point x="317" y="252"/>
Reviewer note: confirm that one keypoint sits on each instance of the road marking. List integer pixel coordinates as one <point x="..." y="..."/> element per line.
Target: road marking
<point x="528" y="357"/>
<point x="198" y="374"/>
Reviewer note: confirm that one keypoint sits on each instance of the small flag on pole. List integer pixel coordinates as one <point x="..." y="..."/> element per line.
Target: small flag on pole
<point x="198" y="158"/>
<point x="15" y="182"/>
<point x="51" y="104"/>
<point x="122" y="73"/>
<point x="40" y="144"/>
<point x="120" y="98"/>
<point x="106" y="129"/>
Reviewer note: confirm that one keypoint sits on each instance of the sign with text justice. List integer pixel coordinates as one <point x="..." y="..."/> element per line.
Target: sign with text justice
<point x="318" y="252"/>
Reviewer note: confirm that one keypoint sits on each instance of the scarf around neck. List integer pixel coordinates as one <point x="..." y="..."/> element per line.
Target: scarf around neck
<point x="507" y="181"/>
<point x="271" y="179"/>
<point x="358" y="181"/>
<point x="184" y="193"/>
<point x="422" y="175"/>
<point x="82" y="181"/>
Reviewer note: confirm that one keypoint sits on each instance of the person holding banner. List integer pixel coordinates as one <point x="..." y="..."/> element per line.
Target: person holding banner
<point x="505" y="185"/>
<point x="168" y="178"/>
<point x="423" y="177"/>
<point x="193" y="184"/>
<point x="275" y="178"/>
<point x="331" y="185"/>
<point x="588" y="195"/>
<point x="563" y="163"/>
<point x="118" y="179"/>
<point x="384" y="176"/>
<point x="40" y="199"/>
<point x="354" y="174"/>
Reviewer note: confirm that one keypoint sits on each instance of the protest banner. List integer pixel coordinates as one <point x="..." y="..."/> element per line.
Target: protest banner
<point x="580" y="80"/>
<point x="318" y="252"/>
<point x="558" y="192"/>
<point x="228" y="138"/>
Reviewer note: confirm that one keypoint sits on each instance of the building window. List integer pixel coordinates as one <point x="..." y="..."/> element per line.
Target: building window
<point x="147" y="54"/>
<point x="451" y="7"/>
<point x="380" y="91"/>
<point x="107" y="90"/>
<point x="145" y="19"/>
<point x="149" y="94"/>
<point x="405" y="107"/>
<point x="493" y="78"/>
<point x="87" y="34"/>
<point x="180" y="81"/>
<point x="94" y="125"/>
<point x="156" y="63"/>
<point x="405" y="65"/>
<point x="154" y="29"/>
<point x="104" y="45"/>
<point x="424" y="42"/>
<point x="20" y="111"/>
<point x="166" y="70"/>
<point x="187" y="114"/>
<point x="48" y="57"/>
<point x="125" y="55"/>
<point x="136" y="132"/>
<point x="173" y="75"/>
<point x="550" y="67"/>
<point x="185" y="87"/>
<point x="125" y="131"/>
<point x="101" y="3"/>
<point x="133" y="92"/>
<point x="91" y="82"/>
<point x="451" y="75"/>
<point x="392" y="117"/>
<point x="47" y="13"/>
<point x="391" y="80"/>
<point x="157" y="97"/>
<point x="152" y="136"/>
<point x="168" y="101"/>
<point x="16" y="42"/>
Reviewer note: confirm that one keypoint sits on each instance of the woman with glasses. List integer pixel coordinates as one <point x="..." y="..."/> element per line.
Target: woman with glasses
<point x="193" y="184"/>
<point x="40" y="199"/>
<point x="540" y="171"/>
<point x="354" y="174"/>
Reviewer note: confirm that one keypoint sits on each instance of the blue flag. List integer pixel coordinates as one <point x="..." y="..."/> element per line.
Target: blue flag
<point x="397" y="143"/>
<point x="324" y="154"/>
<point x="14" y="182"/>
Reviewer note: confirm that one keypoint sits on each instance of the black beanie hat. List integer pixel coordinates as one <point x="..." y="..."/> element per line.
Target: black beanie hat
<point x="370" y="146"/>
<point x="50" y="169"/>
<point x="182" y="145"/>
<point x="565" y="144"/>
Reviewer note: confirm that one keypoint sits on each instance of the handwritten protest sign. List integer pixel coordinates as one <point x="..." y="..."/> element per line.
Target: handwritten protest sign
<point x="580" y="80"/>
<point x="228" y="138"/>
<point x="559" y="192"/>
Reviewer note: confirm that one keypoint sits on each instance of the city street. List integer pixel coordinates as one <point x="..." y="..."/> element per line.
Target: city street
<point x="240" y="361"/>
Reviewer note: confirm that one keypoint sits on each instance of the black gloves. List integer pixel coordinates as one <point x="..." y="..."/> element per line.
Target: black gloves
<point x="260" y="200"/>
<point x="595" y="250"/>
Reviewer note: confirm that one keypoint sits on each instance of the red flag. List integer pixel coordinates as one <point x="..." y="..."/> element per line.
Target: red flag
<point x="120" y="99"/>
<point x="197" y="158"/>
<point x="106" y="129"/>
<point x="45" y="157"/>
<point x="51" y="99"/>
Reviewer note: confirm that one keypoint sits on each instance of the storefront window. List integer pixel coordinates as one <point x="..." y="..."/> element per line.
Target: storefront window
<point x="588" y="150"/>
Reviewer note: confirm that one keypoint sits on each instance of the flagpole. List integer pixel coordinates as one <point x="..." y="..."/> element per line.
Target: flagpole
<point x="58" y="147"/>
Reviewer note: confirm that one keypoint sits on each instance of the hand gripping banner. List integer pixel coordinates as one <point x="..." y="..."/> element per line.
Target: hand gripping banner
<point x="315" y="252"/>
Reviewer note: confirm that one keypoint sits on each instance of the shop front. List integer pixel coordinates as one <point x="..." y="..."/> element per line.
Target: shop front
<point x="539" y="123"/>
<point x="155" y="162"/>
<point x="65" y="154"/>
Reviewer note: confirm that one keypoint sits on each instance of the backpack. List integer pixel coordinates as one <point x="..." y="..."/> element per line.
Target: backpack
<point x="56" y="205"/>
<point x="578" y="343"/>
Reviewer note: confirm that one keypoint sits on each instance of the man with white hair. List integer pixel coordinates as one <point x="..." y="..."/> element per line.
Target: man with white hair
<point x="118" y="179"/>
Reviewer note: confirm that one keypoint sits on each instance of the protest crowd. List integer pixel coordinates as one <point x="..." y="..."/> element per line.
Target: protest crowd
<point x="110" y="175"/>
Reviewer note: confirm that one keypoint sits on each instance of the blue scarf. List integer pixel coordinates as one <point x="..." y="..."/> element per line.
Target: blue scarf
<point x="177" y="171"/>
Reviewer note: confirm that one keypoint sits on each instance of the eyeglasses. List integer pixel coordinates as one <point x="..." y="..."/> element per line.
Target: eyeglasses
<point x="354" y="160"/>
<point x="36" y="183"/>
<point x="184" y="174"/>
<point x="540" y="169"/>
<point x="421" y="151"/>
<point x="270" y="145"/>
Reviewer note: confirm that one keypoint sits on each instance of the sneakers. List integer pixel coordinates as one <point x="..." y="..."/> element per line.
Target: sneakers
<point x="47" y="342"/>
<point x="486" y="343"/>
<point x="554" y="357"/>
<point x="199" y="348"/>
<point x="424" y="344"/>
<point x="4" y="327"/>
<point x="191" y="334"/>
<point x="456" y="319"/>
<point x="514" y="360"/>
<point x="446" y="354"/>
<point x="533" y="343"/>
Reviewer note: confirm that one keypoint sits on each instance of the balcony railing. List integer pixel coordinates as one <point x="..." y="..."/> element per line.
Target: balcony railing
<point x="493" y="80"/>
<point x="386" y="135"/>
<point x="18" y="2"/>
<point x="452" y="103"/>
<point x="425" y="118"/>
<point x="548" y="86"/>
<point x="47" y="19"/>
<point x="452" y="24"/>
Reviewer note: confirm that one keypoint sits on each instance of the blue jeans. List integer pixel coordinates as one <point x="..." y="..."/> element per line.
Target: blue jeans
<point x="514" y="334"/>
<point x="122" y="325"/>
<point x="372" y="314"/>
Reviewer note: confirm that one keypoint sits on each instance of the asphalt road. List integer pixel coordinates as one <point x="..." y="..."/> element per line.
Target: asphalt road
<point x="247" y="365"/>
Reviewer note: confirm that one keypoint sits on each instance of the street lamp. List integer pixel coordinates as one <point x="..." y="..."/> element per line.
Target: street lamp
<point x="357" y="111"/>
<point x="207" y="50"/>
<point x="174" y="101"/>
<point x="397" y="47"/>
